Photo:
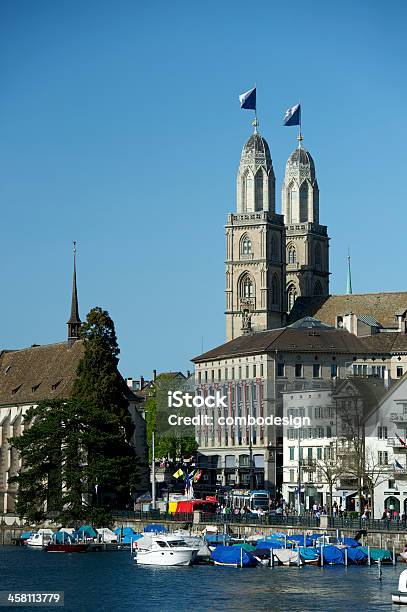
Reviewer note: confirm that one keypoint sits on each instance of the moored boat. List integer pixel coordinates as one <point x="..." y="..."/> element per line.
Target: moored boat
<point x="40" y="538"/>
<point x="163" y="549"/>
<point x="401" y="596"/>
<point x="233" y="556"/>
<point x="63" y="542"/>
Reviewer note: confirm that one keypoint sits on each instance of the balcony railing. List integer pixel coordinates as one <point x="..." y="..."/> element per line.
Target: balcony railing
<point x="398" y="418"/>
<point x="396" y="443"/>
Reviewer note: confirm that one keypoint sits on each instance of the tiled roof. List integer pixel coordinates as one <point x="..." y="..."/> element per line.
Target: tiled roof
<point x="381" y="306"/>
<point x="288" y="339"/>
<point x="386" y="342"/>
<point x="39" y="372"/>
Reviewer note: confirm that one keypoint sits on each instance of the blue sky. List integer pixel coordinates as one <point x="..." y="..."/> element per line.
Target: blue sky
<point x="120" y="128"/>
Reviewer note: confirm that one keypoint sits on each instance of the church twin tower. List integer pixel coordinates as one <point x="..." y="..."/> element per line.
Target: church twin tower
<point x="272" y="259"/>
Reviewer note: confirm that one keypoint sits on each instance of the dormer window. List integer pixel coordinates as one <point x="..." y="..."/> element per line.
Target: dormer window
<point x="56" y="385"/>
<point x="35" y="387"/>
<point x="14" y="391"/>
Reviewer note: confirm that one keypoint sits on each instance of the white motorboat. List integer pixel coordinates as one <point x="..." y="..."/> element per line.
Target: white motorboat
<point x="40" y="538"/>
<point x="195" y="542"/>
<point x="162" y="549"/>
<point x="401" y="596"/>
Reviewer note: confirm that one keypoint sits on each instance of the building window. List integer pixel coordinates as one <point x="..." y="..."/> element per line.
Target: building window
<point x="316" y="370"/>
<point x="246" y="287"/>
<point x="212" y="375"/>
<point x="298" y="370"/>
<point x="199" y="376"/>
<point x="247" y="371"/>
<point x="280" y="370"/>
<point x="291" y="297"/>
<point x="291" y="449"/>
<point x="206" y="375"/>
<point x="382" y="433"/>
<point x="319" y="452"/>
<point x="334" y="370"/>
<point x="292" y="255"/>
<point x="254" y="371"/>
<point x="391" y="483"/>
<point x="310" y="453"/>
<point x="292" y="476"/>
<point x="399" y="371"/>
<point x="261" y="370"/>
<point x="246" y="246"/>
<point x="219" y="374"/>
<point x="383" y="457"/>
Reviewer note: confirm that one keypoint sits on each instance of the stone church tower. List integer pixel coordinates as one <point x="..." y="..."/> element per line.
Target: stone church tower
<point x="307" y="242"/>
<point x="255" y="247"/>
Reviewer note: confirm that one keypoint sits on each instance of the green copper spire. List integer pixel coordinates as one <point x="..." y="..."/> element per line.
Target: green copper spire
<point x="349" y="281"/>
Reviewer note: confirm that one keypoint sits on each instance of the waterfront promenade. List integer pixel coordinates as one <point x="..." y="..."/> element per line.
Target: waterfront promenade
<point x="380" y="533"/>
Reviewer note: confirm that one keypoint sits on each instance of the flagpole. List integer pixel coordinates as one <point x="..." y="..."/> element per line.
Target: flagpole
<point x="299" y="137"/>
<point x="256" y="123"/>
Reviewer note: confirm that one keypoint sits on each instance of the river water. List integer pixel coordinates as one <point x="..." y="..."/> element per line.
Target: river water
<point x="112" y="581"/>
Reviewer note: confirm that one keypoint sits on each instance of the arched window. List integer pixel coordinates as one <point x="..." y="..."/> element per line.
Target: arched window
<point x="291" y="296"/>
<point x="258" y="190"/>
<point x="246" y="287"/>
<point x="318" y="256"/>
<point x="292" y="254"/>
<point x="275" y="290"/>
<point x="247" y="191"/>
<point x="318" y="288"/>
<point x="304" y="202"/>
<point x="246" y="245"/>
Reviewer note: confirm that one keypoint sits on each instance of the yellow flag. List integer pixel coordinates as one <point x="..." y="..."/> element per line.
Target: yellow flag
<point x="178" y="473"/>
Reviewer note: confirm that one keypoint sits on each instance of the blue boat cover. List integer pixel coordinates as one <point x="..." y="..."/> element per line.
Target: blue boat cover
<point x="309" y="554"/>
<point x="377" y="553"/>
<point x="152" y="528"/>
<point x="356" y="555"/>
<point x="233" y="555"/>
<point x="217" y="538"/>
<point x="62" y="537"/>
<point x="350" y="542"/>
<point x="267" y="544"/>
<point x="87" y="531"/>
<point x="333" y="555"/>
<point x="300" y="539"/>
<point x="26" y="534"/>
<point x="124" y="531"/>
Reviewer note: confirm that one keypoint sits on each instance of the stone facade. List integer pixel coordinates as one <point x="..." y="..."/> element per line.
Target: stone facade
<point x="272" y="259"/>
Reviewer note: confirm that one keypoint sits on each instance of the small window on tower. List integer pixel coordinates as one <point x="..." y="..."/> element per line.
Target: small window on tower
<point x="246" y="246"/>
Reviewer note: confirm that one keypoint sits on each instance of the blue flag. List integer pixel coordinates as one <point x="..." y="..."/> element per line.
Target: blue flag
<point x="248" y="99"/>
<point x="293" y="115"/>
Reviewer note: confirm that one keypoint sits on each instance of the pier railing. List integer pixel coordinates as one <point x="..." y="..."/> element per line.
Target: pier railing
<point x="371" y="524"/>
<point x="206" y="517"/>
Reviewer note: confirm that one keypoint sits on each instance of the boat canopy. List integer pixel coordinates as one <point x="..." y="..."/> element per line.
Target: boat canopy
<point x="233" y="555"/>
<point x="356" y="555"/>
<point x="332" y="555"/>
<point x="87" y="531"/>
<point x="215" y="538"/>
<point x="155" y="528"/>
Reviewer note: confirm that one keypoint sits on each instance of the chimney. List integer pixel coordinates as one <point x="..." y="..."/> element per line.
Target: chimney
<point x="142" y="382"/>
<point x="154" y="374"/>
<point x="188" y="373"/>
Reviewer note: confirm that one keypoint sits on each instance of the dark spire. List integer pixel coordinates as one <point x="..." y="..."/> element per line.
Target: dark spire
<point x="74" y="322"/>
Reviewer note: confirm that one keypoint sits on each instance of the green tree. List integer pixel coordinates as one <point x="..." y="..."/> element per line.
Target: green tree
<point x="77" y="453"/>
<point x="172" y="442"/>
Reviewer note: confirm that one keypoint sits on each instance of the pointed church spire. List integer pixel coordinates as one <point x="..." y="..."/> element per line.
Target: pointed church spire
<point x="349" y="280"/>
<point x="74" y="322"/>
